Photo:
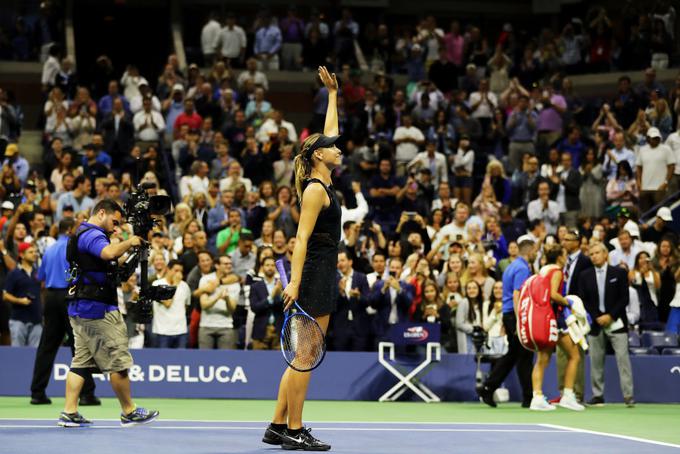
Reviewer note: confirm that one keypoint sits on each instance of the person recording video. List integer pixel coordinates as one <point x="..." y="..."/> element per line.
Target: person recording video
<point x="100" y="334"/>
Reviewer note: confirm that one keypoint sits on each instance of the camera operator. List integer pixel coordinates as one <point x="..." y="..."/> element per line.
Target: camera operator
<point x="100" y="335"/>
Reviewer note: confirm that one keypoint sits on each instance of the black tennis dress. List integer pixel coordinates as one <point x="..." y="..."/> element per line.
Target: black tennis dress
<point x="319" y="285"/>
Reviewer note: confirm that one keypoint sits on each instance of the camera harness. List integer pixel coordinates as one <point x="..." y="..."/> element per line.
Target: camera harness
<point x="81" y="267"/>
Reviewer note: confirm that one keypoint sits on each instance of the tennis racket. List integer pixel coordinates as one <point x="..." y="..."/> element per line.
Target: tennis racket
<point x="303" y="343"/>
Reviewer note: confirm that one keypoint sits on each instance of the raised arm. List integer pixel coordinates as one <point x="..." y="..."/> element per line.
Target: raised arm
<point x="330" y="127"/>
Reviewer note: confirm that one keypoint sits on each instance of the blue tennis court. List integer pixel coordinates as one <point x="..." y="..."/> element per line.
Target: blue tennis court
<point x="212" y="437"/>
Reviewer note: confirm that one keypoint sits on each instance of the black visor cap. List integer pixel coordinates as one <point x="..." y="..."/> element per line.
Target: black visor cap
<point x="321" y="142"/>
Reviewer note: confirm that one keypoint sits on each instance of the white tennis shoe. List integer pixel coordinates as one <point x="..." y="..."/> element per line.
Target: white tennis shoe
<point x="540" y="403"/>
<point x="570" y="402"/>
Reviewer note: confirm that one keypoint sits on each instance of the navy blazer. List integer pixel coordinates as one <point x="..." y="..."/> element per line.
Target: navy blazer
<point x="357" y="305"/>
<point x="381" y="302"/>
<point x="616" y="295"/>
<point x="582" y="263"/>
<point x="259" y="304"/>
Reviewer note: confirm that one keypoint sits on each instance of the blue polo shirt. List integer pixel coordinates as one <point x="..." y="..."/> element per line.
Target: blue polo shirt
<point x="91" y="242"/>
<point x="54" y="268"/>
<point x="513" y="278"/>
<point x="22" y="285"/>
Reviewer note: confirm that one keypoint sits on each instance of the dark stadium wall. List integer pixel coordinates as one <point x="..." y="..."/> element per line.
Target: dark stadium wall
<point x="129" y="32"/>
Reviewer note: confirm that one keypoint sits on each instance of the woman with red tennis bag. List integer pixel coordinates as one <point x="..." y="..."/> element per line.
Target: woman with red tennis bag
<point x="536" y="322"/>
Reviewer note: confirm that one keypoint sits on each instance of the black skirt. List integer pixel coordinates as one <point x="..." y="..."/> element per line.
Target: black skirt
<point x="319" y="284"/>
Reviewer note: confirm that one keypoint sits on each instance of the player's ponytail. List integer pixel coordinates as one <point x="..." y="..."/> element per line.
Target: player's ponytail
<point x="303" y="163"/>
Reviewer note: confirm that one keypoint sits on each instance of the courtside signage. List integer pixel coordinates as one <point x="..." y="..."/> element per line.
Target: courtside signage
<point x="171" y="373"/>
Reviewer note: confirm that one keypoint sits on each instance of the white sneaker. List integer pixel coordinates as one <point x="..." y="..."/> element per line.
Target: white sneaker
<point x="571" y="403"/>
<point x="540" y="403"/>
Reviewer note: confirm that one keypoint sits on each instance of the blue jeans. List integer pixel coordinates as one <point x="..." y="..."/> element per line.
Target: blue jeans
<point x="176" y="341"/>
<point x="673" y="324"/>
<point x="25" y="334"/>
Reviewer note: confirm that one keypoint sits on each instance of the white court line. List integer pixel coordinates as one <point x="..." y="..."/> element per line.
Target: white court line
<point x="233" y="421"/>
<point x="611" y="435"/>
<point x="329" y="429"/>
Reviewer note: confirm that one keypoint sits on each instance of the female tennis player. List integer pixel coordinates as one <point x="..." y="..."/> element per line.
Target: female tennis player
<point x="313" y="267"/>
<point x="555" y="258"/>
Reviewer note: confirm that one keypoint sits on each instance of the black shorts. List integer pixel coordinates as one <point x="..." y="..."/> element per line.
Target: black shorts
<point x="463" y="182"/>
<point x="559" y="316"/>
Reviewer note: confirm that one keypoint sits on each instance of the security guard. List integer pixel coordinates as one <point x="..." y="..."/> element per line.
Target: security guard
<point x="100" y="335"/>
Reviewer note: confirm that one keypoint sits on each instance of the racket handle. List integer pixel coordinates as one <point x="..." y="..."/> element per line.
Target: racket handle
<point x="282" y="273"/>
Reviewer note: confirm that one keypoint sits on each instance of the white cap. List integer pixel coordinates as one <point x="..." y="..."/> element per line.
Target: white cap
<point x="7" y="205"/>
<point x="524" y="238"/>
<point x="178" y="87"/>
<point x="416" y="46"/>
<point x="142" y="81"/>
<point x="632" y="228"/>
<point x="665" y="214"/>
<point x="653" y="132"/>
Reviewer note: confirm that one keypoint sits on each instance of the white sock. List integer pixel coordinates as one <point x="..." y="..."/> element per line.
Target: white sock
<point x="568" y="392"/>
<point x="538" y="394"/>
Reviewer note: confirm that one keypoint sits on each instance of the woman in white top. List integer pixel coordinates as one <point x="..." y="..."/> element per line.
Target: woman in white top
<point x="169" y="317"/>
<point x="469" y="316"/>
<point x="492" y="316"/>
<point x="552" y="168"/>
<point x="58" y="126"/>
<point x="463" y="163"/>
<point x="55" y="98"/>
<point x="647" y="283"/>
<point x="451" y="294"/>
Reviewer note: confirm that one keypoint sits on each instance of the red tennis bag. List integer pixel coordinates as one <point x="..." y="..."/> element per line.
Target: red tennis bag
<point x="536" y="323"/>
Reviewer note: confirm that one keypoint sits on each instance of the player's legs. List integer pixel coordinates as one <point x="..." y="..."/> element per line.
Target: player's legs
<point x="538" y="401"/>
<point x="573" y="358"/>
<point x="542" y="361"/>
<point x="568" y="399"/>
<point x="281" y="410"/>
<point x="297" y="387"/>
<point x="282" y="401"/>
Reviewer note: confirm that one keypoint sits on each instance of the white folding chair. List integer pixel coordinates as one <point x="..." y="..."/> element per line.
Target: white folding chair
<point x="408" y="379"/>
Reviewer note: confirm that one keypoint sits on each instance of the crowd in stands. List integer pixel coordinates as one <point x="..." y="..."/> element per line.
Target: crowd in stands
<point x="488" y="142"/>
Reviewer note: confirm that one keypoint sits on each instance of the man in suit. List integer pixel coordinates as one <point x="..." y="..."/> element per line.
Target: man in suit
<point x="604" y="291"/>
<point x="351" y="324"/>
<point x="392" y="299"/>
<point x="267" y="303"/>
<point x="568" y="186"/>
<point x="577" y="262"/>
<point x="119" y="133"/>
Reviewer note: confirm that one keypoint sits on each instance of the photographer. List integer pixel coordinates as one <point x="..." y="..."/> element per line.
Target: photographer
<point x="100" y="335"/>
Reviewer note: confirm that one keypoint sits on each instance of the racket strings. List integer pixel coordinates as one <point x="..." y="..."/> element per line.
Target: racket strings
<point x="303" y="342"/>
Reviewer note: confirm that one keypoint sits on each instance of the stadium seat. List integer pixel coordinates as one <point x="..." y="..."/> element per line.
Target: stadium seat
<point x="638" y="351"/>
<point x="671" y="351"/>
<point x="659" y="340"/>
<point x="633" y="339"/>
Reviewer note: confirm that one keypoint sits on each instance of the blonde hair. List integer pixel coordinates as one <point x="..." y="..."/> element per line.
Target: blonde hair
<point x="180" y="208"/>
<point x="495" y="164"/>
<point x="303" y="166"/>
<point x="467" y="275"/>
